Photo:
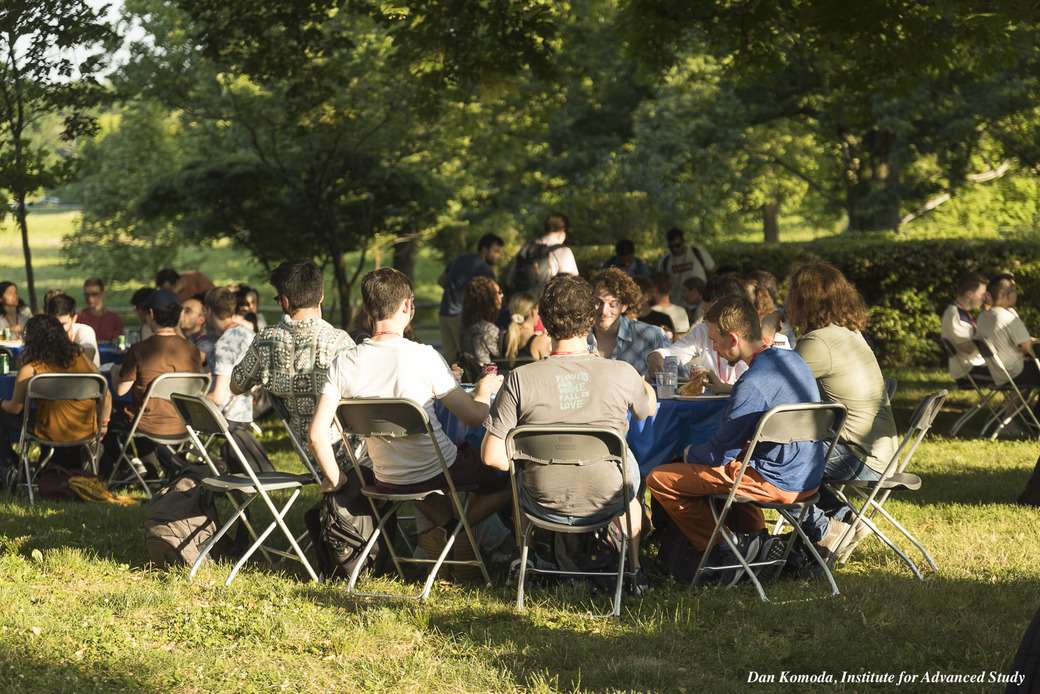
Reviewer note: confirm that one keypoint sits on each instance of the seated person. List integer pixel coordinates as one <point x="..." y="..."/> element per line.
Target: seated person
<point x="107" y="326"/>
<point x="162" y="353"/>
<point x="47" y="349"/>
<point x="15" y="312"/>
<point x="563" y="390"/>
<point x="692" y="296"/>
<point x="697" y="345"/>
<point x="388" y="365"/>
<point x="613" y="336"/>
<point x="1007" y="333"/>
<point x="785" y="473"/>
<point x="520" y="339"/>
<point x="185" y="285"/>
<point x="958" y="326"/>
<point x="479" y="338"/>
<point x="643" y="311"/>
<point x="63" y="307"/>
<point x="660" y="292"/>
<point x="192" y="327"/>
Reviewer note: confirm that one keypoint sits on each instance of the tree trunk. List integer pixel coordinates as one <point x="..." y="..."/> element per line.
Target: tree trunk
<point x="871" y="182"/>
<point x="343" y="288"/>
<point x="30" y="282"/>
<point x="404" y="257"/>
<point x="770" y="225"/>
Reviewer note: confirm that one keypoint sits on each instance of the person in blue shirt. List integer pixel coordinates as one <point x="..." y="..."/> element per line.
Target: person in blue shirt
<point x="783" y="473"/>
<point x="454" y="279"/>
<point x="625" y="259"/>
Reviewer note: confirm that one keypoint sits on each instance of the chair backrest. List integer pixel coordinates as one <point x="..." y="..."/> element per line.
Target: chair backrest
<point x="382" y="417"/>
<point x="798" y="422"/>
<point x="67" y="386"/>
<point x="947" y="343"/>
<point x="165" y="385"/>
<point x="302" y="451"/>
<point x="575" y="470"/>
<point x="202" y="417"/>
<point x="920" y="423"/>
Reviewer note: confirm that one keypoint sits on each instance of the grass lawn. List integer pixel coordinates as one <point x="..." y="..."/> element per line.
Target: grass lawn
<point x="83" y="612"/>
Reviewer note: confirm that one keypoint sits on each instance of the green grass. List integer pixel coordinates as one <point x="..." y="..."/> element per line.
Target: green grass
<point x="84" y="613"/>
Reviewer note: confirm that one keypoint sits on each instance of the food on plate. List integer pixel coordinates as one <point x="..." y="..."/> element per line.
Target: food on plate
<point x="695" y="386"/>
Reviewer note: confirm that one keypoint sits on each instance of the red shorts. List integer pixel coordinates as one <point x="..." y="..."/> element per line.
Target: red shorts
<point x="467" y="470"/>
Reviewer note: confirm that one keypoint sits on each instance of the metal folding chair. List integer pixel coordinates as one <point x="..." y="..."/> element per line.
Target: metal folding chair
<point x="783" y="424"/>
<point x="390" y="418"/>
<point x="60" y="386"/>
<point x="986" y="390"/>
<point x="568" y="454"/>
<point x="202" y="418"/>
<point x="161" y="388"/>
<point x="874" y="493"/>
<point x="1026" y="396"/>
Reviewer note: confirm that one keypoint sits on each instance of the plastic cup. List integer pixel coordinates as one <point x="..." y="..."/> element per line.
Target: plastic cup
<point x="666" y="382"/>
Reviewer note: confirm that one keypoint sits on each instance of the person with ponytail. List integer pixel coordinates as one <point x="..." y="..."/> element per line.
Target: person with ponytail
<point x="520" y="338"/>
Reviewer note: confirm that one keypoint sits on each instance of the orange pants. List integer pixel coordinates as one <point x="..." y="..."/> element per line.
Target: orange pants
<point x="679" y="487"/>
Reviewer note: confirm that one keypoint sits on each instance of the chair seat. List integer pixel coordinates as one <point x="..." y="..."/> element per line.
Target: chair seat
<point x="898" y="481"/>
<point x="270" y="481"/>
<point x="773" y="505"/>
<point x="373" y="492"/>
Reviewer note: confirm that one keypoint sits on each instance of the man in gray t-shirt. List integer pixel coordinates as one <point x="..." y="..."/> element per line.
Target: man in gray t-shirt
<point x="572" y="386"/>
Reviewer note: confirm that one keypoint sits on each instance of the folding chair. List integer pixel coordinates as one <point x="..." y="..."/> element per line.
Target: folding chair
<point x="874" y="493"/>
<point x="302" y="451"/>
<point x="60" y="386"/>
<point x="390" y="418"/>
<point x="1026" y="396"/>
<point x="202" y="418"/>
<point x="986" y="390"/>
<point x="783" y="424"/>
<point x="567" y="454"/>
<point x="161" y="388"/>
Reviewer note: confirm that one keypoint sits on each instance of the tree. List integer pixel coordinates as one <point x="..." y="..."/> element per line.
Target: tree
<point x="43" y="72"/>
<point x="895" y="94"/>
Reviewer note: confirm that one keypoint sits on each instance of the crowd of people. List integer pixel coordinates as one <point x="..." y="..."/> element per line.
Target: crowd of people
<point x="574" y="351"/>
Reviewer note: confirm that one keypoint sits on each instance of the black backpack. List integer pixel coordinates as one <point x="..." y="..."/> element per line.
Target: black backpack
<point x="531" y="268"/>
<point x="341" y="524"/>
<point x="599" y="550"/>
<point x="181" y="519"/>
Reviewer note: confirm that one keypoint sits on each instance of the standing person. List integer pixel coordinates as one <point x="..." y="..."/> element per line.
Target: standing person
<point x="233" y="339"/>
<point x="107" y="325"/>
<point x="63" y="307"/>
<point x="48" y="350"/>
<point x="830" y="316"/>
<point x="480" y="339"/>
<point x="539" y="261"/>
<point x="682" y="262"/>
<point x="291" y="358"/>
<point x="783" y="473"/>
<point x="613" y="335"/>
<point x="520" y="339"/>
<point x="958" y="326"/>
<point x="388" y="365"/>
<point x="162" y="353"/>
<point x="562" y="389"/>
<point x="454" y="279"/>
<point x="192" y="327"/>
<point x="625" y="259"/>
<point x="15" y="311"/>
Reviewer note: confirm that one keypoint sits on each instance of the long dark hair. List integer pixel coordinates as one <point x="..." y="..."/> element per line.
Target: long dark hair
<point x="3" y="288"/>
<point x="47" y="342"/>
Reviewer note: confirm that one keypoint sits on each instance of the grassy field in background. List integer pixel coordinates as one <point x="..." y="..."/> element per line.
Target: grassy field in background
<point x="83" y="612"/>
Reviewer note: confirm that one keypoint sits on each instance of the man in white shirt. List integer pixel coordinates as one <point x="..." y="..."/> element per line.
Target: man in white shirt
<point x="697" y="345"/>
<point x="1007" y="333"/>
<point x="388" y="365"/>
<point x="63" y="307"/>
<point x="958" y="326"/>
<point x="538" y="262"/>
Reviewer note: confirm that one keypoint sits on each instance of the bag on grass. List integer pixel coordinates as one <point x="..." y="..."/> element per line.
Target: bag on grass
<point x="341" y="524"/>
<point x="181" y="519"/>
<point x="594" y="551"/>
<point x="53" y="482"/>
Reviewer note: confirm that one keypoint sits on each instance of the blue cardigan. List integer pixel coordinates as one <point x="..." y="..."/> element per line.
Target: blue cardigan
<point x="775" y="377"/>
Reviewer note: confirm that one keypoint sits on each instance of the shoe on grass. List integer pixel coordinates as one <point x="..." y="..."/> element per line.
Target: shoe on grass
<point x="534" y="561"/>
<point x="636" y="584"/>
<point x="749" y="546"/>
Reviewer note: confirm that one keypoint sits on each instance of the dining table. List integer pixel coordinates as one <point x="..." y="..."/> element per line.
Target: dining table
<point x="660" y="438"/>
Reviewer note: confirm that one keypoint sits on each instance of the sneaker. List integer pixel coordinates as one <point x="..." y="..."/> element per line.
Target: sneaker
<point x="139" y="467"/>
<point x="829" y="547"/>
<point x="534" y="561"/>
<point x="772" y="550"/>
<point x="748" y="545"/>
<point x="858" y="535"/>
<point x="636" y="584"/>
<point x="432" y="543"/>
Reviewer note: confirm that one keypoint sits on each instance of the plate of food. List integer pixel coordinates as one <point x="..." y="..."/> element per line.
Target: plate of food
<point x="694" y="386"/>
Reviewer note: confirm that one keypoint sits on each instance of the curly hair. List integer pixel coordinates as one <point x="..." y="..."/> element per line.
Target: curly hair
<point x="46" y="342"/>
<point x="818" y="295"/>
<point x="568" y="307"/>
<point x="481" y="301"/>
<point x="619" y="285"/>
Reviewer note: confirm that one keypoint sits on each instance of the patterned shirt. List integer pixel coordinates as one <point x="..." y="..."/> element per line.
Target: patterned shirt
<point x="480" y="340"/>
<point x="230" y="348"/>
<point x="635" y="341"/>
<point x="291" y="360"/>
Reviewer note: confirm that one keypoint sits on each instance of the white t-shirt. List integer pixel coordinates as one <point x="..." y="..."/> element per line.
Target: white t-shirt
<point x="398" y="368"/>
<point x="958" y="331"/>
<point x="683" y="267"/>
<point x="85" y="337"/>
<point x="697" y="345"/>
<point x="1005" y="331"/>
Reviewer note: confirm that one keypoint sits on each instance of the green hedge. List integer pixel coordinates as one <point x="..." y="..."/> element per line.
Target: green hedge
<point x="906" y="283"/>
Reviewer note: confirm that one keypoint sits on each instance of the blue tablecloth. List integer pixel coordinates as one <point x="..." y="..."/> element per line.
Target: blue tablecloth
<point x="110" y="354"/>
<point x="658" y="439"/>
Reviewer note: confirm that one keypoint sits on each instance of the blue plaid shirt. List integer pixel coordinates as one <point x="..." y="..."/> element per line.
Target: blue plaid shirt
<point x="635" y="341"/>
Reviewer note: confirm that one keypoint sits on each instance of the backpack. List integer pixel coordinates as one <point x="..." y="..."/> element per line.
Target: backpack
<point x="599" y="550"/>
<point x="181" y="519"/>
<point x="531" y="268"/>
<point x="341" y="524"/>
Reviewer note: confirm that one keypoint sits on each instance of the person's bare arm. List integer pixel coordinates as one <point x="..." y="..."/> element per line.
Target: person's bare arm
<point x="318" y="437"/>
<point x="17" y="402"/>
<point x="221" y="390"/>
<point x="651" y="394"/>
<point x="471" y="410"/>
<point x="967" y="347"/>
<point x="493" y="452"/>
<point x="1026" y="348"/>
<point x="715" y="385"/>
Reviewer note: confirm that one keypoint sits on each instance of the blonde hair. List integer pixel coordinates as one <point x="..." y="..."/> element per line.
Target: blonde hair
<point x="520" y="308"/>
